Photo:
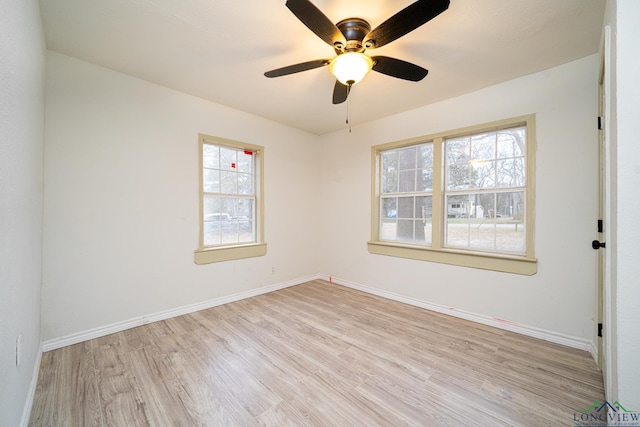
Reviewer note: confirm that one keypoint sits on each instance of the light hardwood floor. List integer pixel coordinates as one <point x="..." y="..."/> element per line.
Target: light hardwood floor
<point x="314" y="354"/>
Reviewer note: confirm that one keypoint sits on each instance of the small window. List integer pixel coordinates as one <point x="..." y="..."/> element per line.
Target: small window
<point x="231" y="209"/>
<point x="463" y="197"/>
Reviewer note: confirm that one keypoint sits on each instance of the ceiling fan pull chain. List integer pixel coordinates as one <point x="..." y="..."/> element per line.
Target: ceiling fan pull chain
<point x="349" y="107"/>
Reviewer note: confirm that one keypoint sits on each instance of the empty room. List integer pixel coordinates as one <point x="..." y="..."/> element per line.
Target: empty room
<point x="319" y="212"/>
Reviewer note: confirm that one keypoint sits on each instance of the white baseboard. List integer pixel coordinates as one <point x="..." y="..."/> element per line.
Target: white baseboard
<point x="55" y="343"/>
<point x="554" y="337"/>
<point x="26" y="411"/>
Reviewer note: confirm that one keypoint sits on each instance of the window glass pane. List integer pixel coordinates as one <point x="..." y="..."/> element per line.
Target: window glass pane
<point x="425" y="157"/>
<point x="245" y="183"/>
<point x="389" y="172"/>
<point x="228" y="159"/>
<point x="229" y="182"/>
<point x="389" y="207"/>
<point x="389" y="214"/>
<point x="424" y="176"/>
<point x="212" y="235"/>
<point x="510" y="237"/>
<point x="407" y="182"/>
<point x="405" y="229"/>
<point x="405" y="207"/>
<point x="511" y="172"/>
<point x="459" y="176"/>
<point x="388" y="229"/>
<point x="212" y="218"/>
<point x="229" y="232"/>
<point x="211" y="181"/>
<point x="245" y="161"/>
<point x="457" y="206"/>
<point x="245" y="210"/>
<point x="457" y="150"/>
<point x="510" y="230"/>
<point x="408" y="158"/>
<point x="423" y="219"/>
<point x="510" y="205"/>
<point x="483" y="146"/>
<point x="212" y="205"/>
<point x="511" y="143"/>
<point x="246" y="232"/>
<point x="457" y="226"/>
<point x="228" y="207"/>
<point x="489" y="221"/>
<point x="483" y="206"/>
<point x="246" y="223"/>
<point x="425" y="180"/>
<point x="211" y="156"/>
<point x="483" y="173"/>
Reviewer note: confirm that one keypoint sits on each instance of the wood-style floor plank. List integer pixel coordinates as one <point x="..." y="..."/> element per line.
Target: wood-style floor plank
<point x="315" y="354"/>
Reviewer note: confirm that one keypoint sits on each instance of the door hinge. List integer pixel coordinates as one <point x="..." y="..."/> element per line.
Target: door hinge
<point x="600" y="329"/>
<point x="600" y="122"/>
<point x="600" y="226"/>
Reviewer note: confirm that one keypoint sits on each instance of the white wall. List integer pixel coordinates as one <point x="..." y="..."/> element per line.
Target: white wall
<point x="624" y="235"/>
<point x="121" y="200"/>
<point x="21" y="146"/>
<point x="561" y="296"/>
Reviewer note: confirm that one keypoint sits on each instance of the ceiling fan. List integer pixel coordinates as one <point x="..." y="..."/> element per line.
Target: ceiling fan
<point x="351" y="37"/>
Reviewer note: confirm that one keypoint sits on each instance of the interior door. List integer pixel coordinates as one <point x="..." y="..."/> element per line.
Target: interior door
<point x="599" y="244"/>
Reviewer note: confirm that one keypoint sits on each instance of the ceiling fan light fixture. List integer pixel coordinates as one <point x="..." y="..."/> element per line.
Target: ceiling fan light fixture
<point x="351" y="67"/>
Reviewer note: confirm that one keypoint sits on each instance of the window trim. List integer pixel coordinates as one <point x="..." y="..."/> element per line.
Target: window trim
<point x="208" y="254"/>
<point x="519" y="264"/>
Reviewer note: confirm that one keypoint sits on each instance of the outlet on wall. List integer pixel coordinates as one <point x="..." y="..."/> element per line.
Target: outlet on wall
<point x="19" y="350"/>
<point x="273" y="270"/>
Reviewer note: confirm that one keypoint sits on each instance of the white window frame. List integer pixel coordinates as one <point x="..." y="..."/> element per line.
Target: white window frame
<point x="210" y="254"/>
<point x="524" y="263"/>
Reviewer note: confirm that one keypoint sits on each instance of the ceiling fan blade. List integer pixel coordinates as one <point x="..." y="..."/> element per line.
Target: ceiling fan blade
<point x="398" y="68"/>
<point x="296" y="68"/>
<point x="340" y="92"/>
<point x="405" y="21"/>
<point x="316" y="21"/>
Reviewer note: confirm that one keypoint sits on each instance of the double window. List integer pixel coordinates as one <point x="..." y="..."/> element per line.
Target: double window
<point x="463" y="197"/>
<point x="231" y="208"/>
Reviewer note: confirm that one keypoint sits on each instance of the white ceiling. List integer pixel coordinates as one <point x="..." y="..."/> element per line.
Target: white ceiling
<point x="218" y="50"/>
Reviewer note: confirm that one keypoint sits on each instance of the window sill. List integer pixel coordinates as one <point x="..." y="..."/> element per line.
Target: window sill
<point x="486" y="261"/>
<point x="227" y="253"/>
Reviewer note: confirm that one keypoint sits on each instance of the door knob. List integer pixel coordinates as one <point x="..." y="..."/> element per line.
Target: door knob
<point x="597" y="245"/>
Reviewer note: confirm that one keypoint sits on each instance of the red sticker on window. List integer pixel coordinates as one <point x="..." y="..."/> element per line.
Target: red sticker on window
<point x="233" y="165"/>
<point x="249" y="153"/>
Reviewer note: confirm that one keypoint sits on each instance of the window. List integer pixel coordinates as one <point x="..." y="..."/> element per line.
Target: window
<point x="231" y="208"/>
<point x="463" y="197"/>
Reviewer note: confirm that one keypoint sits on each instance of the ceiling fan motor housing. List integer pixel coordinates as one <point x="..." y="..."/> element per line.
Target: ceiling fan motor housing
<point x="354" y="31"/>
